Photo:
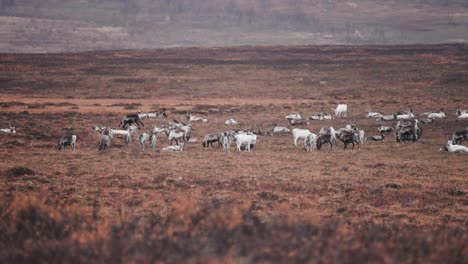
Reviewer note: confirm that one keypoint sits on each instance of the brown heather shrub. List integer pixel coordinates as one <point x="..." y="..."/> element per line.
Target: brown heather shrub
<point x="41" y="231"/>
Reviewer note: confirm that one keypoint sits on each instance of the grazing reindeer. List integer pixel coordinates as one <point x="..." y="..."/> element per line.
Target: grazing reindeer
<point x="340" y="109"/>
<point x="67" y="141"/>
<point x="212" y="138"/>
<point x="349" y="137"/>
<point x="326" y="135"/>
<point x="323" y="139"/>
<point x="131" y="119"/>
<point x="11" y="130"/>
<point x="104" y="142"/>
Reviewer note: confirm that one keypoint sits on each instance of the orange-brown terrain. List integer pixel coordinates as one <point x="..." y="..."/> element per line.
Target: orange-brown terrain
<point x="387" y="202"/>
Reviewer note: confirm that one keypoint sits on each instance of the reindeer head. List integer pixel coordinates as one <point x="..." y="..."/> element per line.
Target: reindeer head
<point x="60" y="144"/>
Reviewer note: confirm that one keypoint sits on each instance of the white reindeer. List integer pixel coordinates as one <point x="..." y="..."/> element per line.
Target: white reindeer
<point x="370" y="114"/>
<point x="435" y="115"/>
<point x="293" y="116"/>
<point x="152" y="115"/>
<point x="231" y="122"/>
<point x="192" y="118"/>
<point x="461" y="111"/>
<point x="126" y="133"/>
<point x="407" y="115"/>
<point x="300" y="134"/>
<point x="177" y="135"/>
<point x="456" y="148"/>
<point x="280" y="130"/>
<point x="310" y="141"/>
<point x="99" y="129"/>
<point x="142" y="139"/>
<point x="104" y="142"/>
<point x="153" y="140"/>
<point x="340" y="109"/>
<point x="226" y="142"/>
<point x="174" y="148"/>
<point x="245" y="140"/>
<point x="11" y="130"/>
<point x="462" y="116"/>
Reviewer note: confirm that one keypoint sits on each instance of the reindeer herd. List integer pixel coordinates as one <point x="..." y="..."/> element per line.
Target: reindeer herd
<point x="405" y="127"/>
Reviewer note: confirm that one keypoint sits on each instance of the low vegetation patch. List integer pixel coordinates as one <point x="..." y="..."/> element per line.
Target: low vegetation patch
<point x="20" y="171"/>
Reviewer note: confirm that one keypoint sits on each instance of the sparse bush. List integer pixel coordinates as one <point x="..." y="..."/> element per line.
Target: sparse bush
<point x="37" y="230"/>
<point x="20" y="171"/>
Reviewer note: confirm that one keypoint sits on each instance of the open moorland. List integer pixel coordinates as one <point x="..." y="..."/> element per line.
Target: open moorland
<point x="386" y="202"/>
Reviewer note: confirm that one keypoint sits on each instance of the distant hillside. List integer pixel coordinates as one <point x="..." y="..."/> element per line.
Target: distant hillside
<point x="72" y="25"/>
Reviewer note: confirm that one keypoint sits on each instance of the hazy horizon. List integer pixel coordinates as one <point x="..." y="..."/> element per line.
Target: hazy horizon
<point x="67" y="26"/>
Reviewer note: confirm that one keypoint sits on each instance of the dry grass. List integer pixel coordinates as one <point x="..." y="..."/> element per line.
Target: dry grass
<point x="387" y="202"/>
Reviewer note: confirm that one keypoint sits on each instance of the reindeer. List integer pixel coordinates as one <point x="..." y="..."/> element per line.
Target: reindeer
<point x="297" y="122"/>
<point x="371" y="114"/>
<point x="380" y="137"/>
<point x="384" y="129"/>
<point x="340" y="109"/>
<point x="406" y="131"/>
<point x="174" y="148"/>
<point x="326" y="135"/>
<point x="459" y="136"/>
<point x="212" y="138"/>
<point x="300" y="134"/>
<point x="104" y="142"/>
<point x="142" y="139"/>
<point x="226" y="142"/>
<point x="67" y="141"/>
<point x="176" y="135"/>
<point x="153" y="140"/>
<point x="131" y="119"/>
<point x="349" y="137"/>
<point x="231" y="122"/>
<point x="293" y="116"/>
<point x="455" y="148"/>
<point x="310" y="141"/>
<point x="11" y="130"/>
<point x="460" y="111"/>
<point x="191" y="118"/>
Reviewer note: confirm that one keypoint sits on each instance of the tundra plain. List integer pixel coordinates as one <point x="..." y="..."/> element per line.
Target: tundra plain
<point x="386" y="202"/>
